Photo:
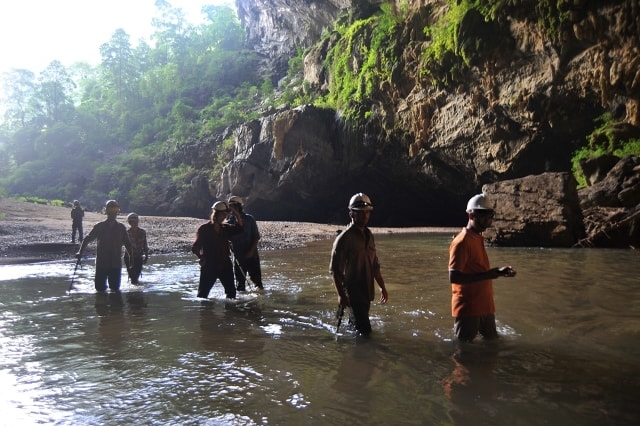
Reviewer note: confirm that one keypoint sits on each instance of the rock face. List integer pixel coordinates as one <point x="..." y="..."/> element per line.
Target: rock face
<point x="542" y="210"/>
<point x="523" y="106"/>
<point x="611" y="205"/>
<point x="278" y="28"/>
<point x="303" y="163"/>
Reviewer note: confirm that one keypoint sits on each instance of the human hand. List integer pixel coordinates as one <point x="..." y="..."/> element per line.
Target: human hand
<point x="507" y="271"/>
<point x="384" y="296"/>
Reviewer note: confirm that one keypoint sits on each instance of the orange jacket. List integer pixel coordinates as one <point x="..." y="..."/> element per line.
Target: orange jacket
<point x="468" y="255"/>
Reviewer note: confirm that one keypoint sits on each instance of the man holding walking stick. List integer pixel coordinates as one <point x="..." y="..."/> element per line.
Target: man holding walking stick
<point x="245" y="248"/>
<point x="354" y="264"/>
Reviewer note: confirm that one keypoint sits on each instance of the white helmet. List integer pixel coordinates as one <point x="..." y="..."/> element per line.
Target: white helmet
<point x="478" y="202"/>
<point x="132" y="216"/>
<point x="360" y="201"/>
<point x="112" y="204"/>
<point x="220" y="206"/>
<point x="234" y="199"/>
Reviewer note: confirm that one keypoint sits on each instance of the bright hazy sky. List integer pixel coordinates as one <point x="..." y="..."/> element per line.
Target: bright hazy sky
<point x="35" y="32"/>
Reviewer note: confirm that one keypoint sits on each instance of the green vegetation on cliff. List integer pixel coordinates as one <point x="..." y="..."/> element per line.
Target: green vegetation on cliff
<point x="608" y="138"/>
<point x="457" y="42"/>
<point x="359" y="62"/>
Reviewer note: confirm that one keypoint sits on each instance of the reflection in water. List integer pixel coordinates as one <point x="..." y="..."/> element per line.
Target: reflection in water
<point x="156" y="354"/>
<point x="472" y="384"/>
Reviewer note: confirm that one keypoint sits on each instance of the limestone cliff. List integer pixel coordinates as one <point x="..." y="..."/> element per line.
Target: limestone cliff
<point x="527" y="99"/>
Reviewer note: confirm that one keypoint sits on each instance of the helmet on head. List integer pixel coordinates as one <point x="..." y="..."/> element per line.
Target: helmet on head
<point x="111" y="204"/>
<point x="478" y="202"/>
<point x="360" y="201"/>
<point x="76" y="202"/>
<point x="234" y="199"/>
<point x="132" y="216"/>
<point x="220" y="206"/>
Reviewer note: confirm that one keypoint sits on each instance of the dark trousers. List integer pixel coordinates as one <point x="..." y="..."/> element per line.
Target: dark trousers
<point x="112" y="275"/>
<point x="467" y="328"/>
<point x="76" y="227"/>
<point x="208" y="277"/>
<point x="134" y="268"/>
<point x="248" y="268"/>
<point x="360" y="312"/>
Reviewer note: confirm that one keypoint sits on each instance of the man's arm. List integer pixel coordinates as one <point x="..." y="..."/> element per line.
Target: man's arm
<point x="457" y="277"/>
<point x="338" y="283"/>
<point x="383" y="289"/>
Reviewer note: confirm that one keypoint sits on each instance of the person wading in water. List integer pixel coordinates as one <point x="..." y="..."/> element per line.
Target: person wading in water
<point x="111" y="236"/>
<point x="140" y="249"/>
<point x="354" y="264"/>
<point x="212" y="248"/>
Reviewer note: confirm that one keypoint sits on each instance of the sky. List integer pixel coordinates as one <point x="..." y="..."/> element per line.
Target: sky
<point x="35" y="32"/>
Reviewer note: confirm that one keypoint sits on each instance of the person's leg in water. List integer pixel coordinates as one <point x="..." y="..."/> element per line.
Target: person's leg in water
<point x="254" y="272"/>
<point x="207" y="279"/>
<point x="360" y="313"/>
<point x="115" y="277"/>
<point x="487" y="327"/>
<point x="226" y="278"/>
<point x="466" y="328"/>
<point x="135" y="269"/>
<point x="100" y="280"/>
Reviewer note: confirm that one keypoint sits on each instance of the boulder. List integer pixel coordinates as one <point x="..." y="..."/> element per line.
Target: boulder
<point x="611" y="207"/>
<point x="537" y="210"/>
<point x="596" y="169"/>
<point x="619" y="188"/>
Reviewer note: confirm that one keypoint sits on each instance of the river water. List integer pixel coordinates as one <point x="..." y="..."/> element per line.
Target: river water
<point x="156" y="355"/>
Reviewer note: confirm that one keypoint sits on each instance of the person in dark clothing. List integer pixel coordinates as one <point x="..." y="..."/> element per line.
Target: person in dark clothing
<point x="140" y="254"/>
<point x="212" y="248"/>
<point x="245" y="248"/>
<point x="111" y="235"/>
<point x="354" y="264"/>
<point x="77" y="213"/>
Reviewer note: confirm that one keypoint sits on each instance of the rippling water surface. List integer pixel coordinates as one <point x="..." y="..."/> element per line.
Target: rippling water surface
<point x="155" y="354"/>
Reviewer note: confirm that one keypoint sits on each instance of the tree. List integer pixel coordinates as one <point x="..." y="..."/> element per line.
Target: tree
<point x="54" y="93"/>
<point x="118" y="65"/>
<point x="20" y="87"/>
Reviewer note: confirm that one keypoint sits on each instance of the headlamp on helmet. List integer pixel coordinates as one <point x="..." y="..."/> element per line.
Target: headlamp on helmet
<point x="360" y="201"/>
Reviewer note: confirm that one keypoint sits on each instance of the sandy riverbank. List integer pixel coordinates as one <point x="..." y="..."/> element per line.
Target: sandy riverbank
<point x="32" y="232"/>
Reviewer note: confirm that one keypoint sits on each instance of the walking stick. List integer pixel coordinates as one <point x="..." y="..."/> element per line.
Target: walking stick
<point x="244" y="275"/>
<point x="74" y="273"/>
<point x="339" y="314"/>
<point x="246" y="279"/>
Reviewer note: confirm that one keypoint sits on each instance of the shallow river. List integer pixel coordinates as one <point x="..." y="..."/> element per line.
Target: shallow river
<point x="157" y="355"/>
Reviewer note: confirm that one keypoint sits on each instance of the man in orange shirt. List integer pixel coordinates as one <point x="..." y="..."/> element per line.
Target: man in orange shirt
<point x="471" y="275"/>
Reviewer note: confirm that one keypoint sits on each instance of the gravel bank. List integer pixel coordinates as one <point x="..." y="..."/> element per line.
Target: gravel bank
<point x="32" y="232"/>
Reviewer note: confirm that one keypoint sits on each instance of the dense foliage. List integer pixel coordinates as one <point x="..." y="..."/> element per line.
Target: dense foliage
<point x="113" y="131"/>
<point x="372" y="43"/>
<point x="119" y="130"/>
